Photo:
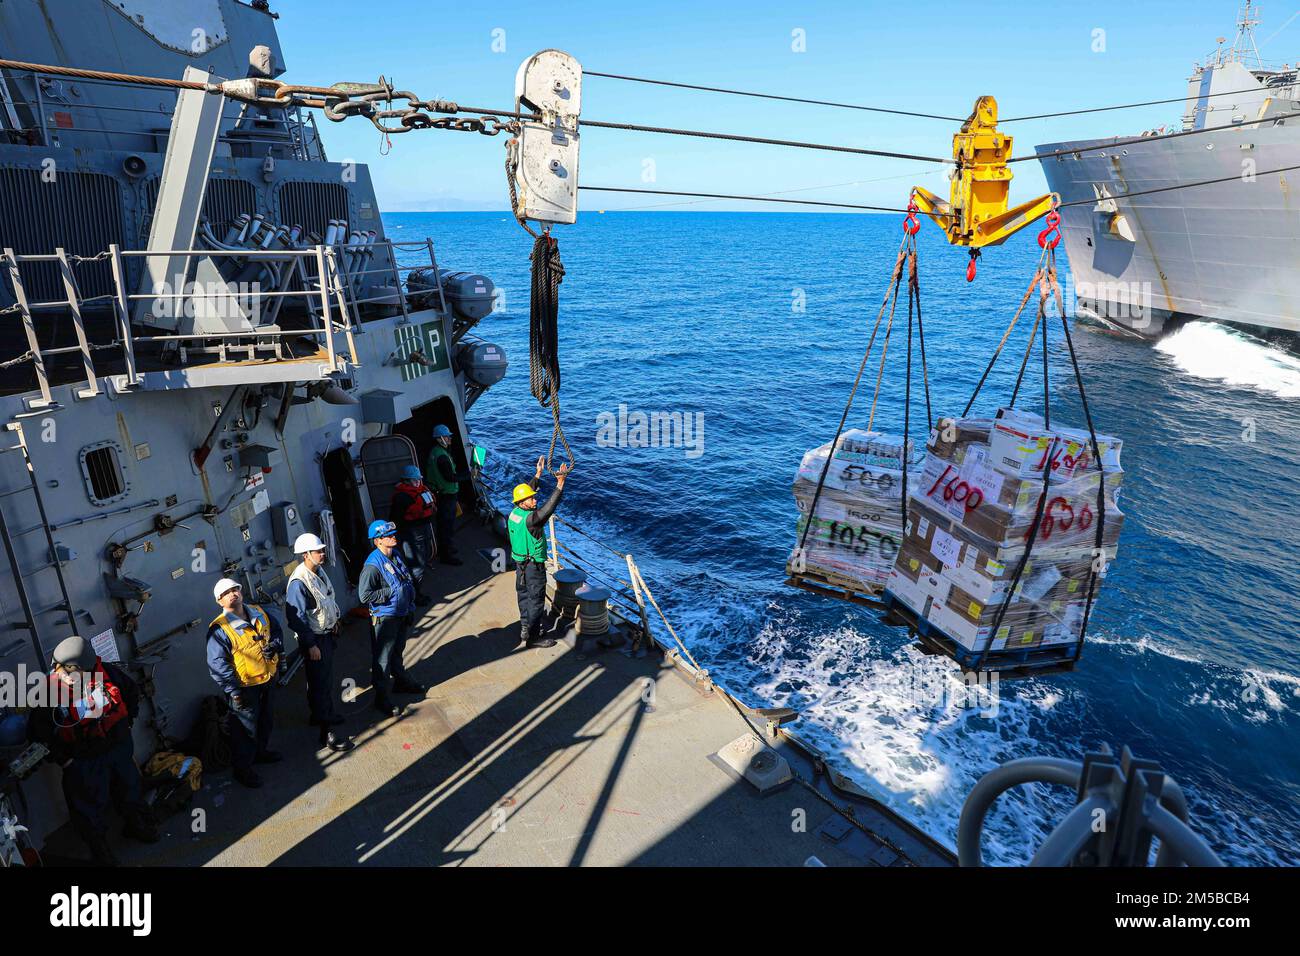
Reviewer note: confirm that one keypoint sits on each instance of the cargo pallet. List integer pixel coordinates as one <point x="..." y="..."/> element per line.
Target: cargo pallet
<point x="832" y="585"/>
<point x="1011" y="663"/>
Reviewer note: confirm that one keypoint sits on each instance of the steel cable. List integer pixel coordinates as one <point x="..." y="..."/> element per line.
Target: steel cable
<point x="772" y="96"/>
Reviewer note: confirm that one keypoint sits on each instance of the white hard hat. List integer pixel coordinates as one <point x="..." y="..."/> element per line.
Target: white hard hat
<point x="308" y="542"/>
<point x="222" y="586"/>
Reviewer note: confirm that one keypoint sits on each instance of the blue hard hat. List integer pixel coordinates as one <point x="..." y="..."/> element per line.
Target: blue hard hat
<point x="412" y="472"/>
<point x="441" y="431"/>
<point x="380" y="529"/>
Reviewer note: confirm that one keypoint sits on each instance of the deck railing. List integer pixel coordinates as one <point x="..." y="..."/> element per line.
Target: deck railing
<point x="333" y="304"/>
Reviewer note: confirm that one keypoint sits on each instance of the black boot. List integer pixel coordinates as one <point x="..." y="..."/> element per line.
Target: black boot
<point x="101" y="854"/>
<point x="140" y="826"/>
<point x="248" y="778"/>
<point x="336" y="742"/>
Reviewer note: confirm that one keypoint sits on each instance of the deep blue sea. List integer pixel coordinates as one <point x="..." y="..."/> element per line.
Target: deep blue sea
<point x="1192" y="656"/>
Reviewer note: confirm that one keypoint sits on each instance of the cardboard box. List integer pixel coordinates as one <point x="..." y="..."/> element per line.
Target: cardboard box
<point x="970" y="517"/>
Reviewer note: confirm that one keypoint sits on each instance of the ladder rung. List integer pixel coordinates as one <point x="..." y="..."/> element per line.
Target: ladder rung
<point x="60" y="606"/>
<point x="16" y="491"/>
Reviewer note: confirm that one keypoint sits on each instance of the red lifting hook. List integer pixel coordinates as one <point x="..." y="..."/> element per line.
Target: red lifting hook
<point x="910" y="224"/>
<point x="1053" y="226"/>
<point x="970" y="269"/>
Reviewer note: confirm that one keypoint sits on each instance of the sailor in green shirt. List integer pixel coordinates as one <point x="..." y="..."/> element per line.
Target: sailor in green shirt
<point x="441" y="475"/>
<point x="527" y="526"/>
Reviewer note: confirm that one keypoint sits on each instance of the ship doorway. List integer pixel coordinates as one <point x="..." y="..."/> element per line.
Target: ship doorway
<point x="349" y="517"/>
<point x="419" y="430"/>
<point x="382" y="461"/>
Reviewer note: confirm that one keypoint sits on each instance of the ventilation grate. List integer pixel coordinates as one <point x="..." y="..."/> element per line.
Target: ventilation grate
<point x="102" y="470"/>
<point x="41" y="211"/>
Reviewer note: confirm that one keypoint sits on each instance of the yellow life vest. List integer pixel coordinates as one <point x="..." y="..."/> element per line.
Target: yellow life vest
<point x="251" y="667"/>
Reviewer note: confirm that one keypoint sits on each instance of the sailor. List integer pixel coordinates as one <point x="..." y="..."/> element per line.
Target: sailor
<point x="244" y="648"/>
<point x="441" y="475"/>
<point x="387" y="589"/>
<point x="312" y="613"/>
<point x="528" y="549"/>
<point x="412" y="511"/>
<point x="88" y="733"/>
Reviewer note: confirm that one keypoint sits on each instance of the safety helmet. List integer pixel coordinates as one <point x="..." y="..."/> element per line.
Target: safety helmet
<point x="523" y="493"/>
<point x="75" y="650"/>
<point x="412" y="473"/>
<point x="222" y="586"/>
<point x="307" y="542"/>
<point x="381" y="529"/>
<point x="441" y="431"/>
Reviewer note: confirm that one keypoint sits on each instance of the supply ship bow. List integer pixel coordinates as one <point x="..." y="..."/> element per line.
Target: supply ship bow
<point x="1146" y="258"/>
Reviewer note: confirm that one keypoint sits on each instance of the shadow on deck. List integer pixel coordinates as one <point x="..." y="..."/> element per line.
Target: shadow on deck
<point x="515" y="757"/>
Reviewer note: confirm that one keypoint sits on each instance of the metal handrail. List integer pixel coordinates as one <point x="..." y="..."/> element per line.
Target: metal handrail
<point x="334" y="286"/>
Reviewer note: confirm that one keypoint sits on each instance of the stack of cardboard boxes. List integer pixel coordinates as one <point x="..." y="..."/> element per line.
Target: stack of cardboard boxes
<point x="970" y="513"/>
<point x="856" y="531"/>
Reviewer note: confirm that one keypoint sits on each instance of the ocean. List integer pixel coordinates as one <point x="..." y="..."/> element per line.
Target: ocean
<point x="750" y="327"/>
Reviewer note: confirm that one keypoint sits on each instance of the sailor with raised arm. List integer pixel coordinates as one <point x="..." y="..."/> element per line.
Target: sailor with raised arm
<point x="527" y="526"/>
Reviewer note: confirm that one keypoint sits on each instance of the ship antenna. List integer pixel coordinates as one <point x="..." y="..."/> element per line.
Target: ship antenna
<point x="1244" y="44"/>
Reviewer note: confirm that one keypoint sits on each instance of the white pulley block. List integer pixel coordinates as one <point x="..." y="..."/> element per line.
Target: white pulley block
<point x="548" y="83"/>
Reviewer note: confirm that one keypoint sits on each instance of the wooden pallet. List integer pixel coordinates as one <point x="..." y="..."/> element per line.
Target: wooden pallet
<point x="1010" y="663"/>
<point x="833" y="586"/>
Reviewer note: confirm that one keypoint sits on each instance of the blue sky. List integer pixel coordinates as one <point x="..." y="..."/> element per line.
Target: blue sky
<point x="919" y="55"/>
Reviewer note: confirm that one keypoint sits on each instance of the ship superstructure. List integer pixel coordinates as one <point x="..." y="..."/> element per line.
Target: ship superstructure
<point x="207" y="347"/>
<point x="1144" y="256"/>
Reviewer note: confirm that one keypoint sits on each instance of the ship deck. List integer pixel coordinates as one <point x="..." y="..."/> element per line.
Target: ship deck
<point x="519" y="758"/>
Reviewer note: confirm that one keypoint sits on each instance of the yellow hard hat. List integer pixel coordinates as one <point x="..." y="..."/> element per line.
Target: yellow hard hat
<point x="523" y="493"/>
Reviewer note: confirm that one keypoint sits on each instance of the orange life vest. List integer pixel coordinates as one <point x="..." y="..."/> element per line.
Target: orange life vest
<point x="421" y="506"/>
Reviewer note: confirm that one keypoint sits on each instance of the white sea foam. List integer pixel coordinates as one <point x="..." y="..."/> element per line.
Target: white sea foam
<point x="1213" y="351"/>
<point x="897" y="723"/>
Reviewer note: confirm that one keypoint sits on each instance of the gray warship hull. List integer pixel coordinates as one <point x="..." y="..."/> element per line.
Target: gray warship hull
<point x="156" y="436"/>
<point x="1229" y="251"/>
<point x="1204" y="224"/>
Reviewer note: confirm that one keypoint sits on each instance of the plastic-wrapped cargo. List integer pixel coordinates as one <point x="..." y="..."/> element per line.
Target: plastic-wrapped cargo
<point x="856" y="531"/>
<point x="971" y="514"/>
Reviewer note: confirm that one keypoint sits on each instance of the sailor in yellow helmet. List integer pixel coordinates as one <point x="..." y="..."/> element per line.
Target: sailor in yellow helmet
<point x="244" y="648"/>
<point x="527" y="527"/>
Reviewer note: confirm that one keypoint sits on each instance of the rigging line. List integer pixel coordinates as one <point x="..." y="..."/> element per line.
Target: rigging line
<point x="763" y="140"/>
<point x="1128" y="106"/>
<point x="1165" y="189"/>
<point x="783" y="192"/>
<point x="894" y="279"/>
<point x="799" y="202"/>
<point x="1141" y="139"/>
<point x="774" y="96"/>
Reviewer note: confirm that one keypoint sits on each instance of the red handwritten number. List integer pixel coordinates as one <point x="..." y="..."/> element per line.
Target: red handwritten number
<point x="962" y="491"/>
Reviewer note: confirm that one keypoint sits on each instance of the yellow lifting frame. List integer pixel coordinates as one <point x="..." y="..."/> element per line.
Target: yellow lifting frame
<point x="976" y="214"/>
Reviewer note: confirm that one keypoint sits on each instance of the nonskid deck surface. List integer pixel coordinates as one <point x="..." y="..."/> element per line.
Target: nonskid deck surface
<point x="515" y="757"/>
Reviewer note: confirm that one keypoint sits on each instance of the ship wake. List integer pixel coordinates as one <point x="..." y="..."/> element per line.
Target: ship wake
<point x="1210" y="350"/>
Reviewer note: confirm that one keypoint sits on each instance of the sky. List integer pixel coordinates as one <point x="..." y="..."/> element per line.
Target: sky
<point x="917" y="55"/>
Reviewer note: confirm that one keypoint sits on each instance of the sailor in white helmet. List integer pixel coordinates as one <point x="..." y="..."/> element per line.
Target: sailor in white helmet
<point x="244" y="648"/>
<point x="313" y="614"/>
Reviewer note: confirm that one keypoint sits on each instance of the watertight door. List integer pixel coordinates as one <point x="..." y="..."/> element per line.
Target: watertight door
<point x="382" y="461"/>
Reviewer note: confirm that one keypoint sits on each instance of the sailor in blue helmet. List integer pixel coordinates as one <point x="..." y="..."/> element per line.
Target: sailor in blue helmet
<point x="441" y="475"/>
<point x="388" y="590"/>
<point x="412" y="510"/>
